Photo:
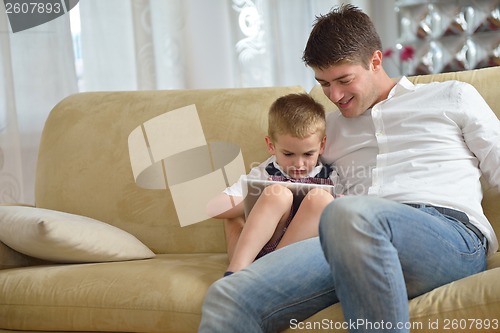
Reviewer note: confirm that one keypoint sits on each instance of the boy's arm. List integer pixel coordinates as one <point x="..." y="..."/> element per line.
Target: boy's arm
<point x="224" y="206"/>
<point x="229" y="208"/>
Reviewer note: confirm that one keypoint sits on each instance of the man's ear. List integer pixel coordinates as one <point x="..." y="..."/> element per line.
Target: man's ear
<point x="270" y="146"/>
<point x="376" y="62"/>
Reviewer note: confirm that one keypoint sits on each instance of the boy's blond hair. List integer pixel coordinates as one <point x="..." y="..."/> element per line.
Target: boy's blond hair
<point x="296" y="114"/>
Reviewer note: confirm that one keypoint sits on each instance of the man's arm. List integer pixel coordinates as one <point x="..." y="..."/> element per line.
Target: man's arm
<point x="481" y="132"/>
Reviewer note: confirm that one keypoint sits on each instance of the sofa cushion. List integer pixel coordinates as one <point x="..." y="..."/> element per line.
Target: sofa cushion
<point x="163" y="294"/>
<point x="62" y="237"/>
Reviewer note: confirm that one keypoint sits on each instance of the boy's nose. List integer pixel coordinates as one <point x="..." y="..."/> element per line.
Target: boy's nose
<point x="299" y="162"/>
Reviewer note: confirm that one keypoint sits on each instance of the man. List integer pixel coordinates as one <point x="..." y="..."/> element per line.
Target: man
<point x="410" y="158"/>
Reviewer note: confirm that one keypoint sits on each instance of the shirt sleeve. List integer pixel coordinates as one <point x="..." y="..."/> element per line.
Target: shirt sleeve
<point x="481" y="131"/>
<point x="258" y="172"/>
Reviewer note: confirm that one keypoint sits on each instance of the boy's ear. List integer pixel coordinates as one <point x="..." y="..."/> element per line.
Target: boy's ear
<point x="270" y="146"/>
<point x="322" y="145"/>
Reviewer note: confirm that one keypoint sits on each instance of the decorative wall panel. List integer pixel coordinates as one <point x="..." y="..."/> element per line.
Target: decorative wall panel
<point x="449" y="36"/>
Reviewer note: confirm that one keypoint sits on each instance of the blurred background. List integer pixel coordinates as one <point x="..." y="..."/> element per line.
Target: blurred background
<point x="202" y="44"/>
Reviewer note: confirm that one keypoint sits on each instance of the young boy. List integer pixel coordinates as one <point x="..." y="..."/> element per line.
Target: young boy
<point x="296" y="138"/>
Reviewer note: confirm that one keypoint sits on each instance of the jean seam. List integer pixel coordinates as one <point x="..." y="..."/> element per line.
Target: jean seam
<point x="387" y="229"/>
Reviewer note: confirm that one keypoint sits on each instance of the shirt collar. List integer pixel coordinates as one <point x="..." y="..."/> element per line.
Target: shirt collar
<point x="313" y="172"/>
<point x="402" y="86"/>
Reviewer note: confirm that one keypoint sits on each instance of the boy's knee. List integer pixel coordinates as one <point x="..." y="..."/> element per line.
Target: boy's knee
<point x="278" y="193"/>
<point x="317" y="199"/>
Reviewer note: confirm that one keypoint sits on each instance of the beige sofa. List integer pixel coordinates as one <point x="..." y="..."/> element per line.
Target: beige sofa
<point x="84" y="169"/>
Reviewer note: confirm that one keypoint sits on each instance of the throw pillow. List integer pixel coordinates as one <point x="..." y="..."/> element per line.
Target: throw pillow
<point x="66" y="238"/>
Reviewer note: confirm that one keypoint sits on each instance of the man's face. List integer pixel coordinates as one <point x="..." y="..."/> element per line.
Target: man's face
<point x="351" y="87"/>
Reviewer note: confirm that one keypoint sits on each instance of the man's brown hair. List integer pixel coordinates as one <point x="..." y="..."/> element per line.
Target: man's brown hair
<point x="296" y="114"/>
<point x="345" y="34"/>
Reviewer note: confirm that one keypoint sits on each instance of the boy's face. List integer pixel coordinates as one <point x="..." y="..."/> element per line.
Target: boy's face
<point x="297" y="156"/>
<point x="351" y="87"/>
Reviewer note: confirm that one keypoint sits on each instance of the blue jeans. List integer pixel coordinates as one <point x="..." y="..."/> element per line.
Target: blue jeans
<point x="378" y="254"/>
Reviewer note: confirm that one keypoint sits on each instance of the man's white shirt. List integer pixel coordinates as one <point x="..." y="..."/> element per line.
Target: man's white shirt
<point x="423" y="144"/>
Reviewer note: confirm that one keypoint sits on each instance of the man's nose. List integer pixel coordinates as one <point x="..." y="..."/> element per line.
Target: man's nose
<point x="334" y="94"/>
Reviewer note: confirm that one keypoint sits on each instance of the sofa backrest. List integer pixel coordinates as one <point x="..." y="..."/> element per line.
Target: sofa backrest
<point x="486" y="82"/>
<point x="84" y="166"/>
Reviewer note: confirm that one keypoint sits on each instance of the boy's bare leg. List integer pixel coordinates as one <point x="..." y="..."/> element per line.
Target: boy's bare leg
<point x="232" y="229"/>
<point x="305" y="223"/>
<point x="271" y="209"/>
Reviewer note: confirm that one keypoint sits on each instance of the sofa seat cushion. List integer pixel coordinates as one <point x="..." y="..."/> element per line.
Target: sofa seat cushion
<point x="163" y="294"/>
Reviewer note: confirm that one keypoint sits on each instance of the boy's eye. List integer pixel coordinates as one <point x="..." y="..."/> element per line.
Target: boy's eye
<point x="287" y="154"/>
